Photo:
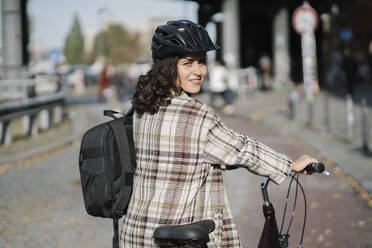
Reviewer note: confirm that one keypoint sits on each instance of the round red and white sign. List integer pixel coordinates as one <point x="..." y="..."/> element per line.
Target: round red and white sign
<point x="304" y="19"/>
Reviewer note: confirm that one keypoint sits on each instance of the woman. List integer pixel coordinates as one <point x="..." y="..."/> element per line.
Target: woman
<point x="182" y="146"/>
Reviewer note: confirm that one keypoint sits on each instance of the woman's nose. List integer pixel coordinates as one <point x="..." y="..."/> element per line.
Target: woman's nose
<point x="197" y="68"/>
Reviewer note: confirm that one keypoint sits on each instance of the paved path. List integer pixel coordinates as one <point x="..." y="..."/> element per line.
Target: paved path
<point x="337" y="217"/>
<point x="42" y="205"/>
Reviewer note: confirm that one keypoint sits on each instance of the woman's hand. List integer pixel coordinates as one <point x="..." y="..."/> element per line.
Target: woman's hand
<point x="300" y="164"/>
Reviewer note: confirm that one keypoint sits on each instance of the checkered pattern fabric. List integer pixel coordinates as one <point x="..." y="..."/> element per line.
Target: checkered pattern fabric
<point x="178" y="179"/>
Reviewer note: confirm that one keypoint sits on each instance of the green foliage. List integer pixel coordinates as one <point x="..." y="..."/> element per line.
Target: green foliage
<point x="74" y="44"/>
<point x="120" y="46"/>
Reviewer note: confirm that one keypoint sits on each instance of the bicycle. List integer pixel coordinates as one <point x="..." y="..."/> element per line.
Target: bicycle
<point x="197" y="234"/>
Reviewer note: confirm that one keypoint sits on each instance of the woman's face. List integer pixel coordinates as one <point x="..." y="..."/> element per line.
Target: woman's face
<point x="191" y="72"/>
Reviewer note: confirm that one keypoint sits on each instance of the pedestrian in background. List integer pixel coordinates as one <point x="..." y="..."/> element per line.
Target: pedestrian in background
<point x="265" y="72"/>
<point x="219" y="83"/>
<point x="102" y="81"/>
<point x="182" y="146"/>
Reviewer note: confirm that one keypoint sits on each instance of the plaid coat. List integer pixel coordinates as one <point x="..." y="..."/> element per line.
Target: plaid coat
<point x="177" y="180"/>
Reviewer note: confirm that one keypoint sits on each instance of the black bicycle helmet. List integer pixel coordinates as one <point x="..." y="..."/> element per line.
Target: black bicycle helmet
<point x="180" y="37"/>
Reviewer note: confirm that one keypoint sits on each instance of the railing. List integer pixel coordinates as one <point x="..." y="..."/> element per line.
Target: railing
<point x="40" y="112"/>
<point x="16" y="89"/>
<point x="339" y="117"/>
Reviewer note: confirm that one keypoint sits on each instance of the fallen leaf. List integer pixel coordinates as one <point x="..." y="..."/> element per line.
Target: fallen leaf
<point x="330" y="215"/>
<point x="336" y="195"/>
<point x="76" y="182"/>
<point x="361" y="223"/>
<point x="328" y="231"/>
<point x="352" y="225"/>
<point x="365" y="195"/>
<point x="320" y="238"/>
<point x="314" y="205"/>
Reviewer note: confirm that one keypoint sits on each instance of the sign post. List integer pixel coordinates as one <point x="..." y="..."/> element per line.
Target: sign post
<point x="305" y="21"/>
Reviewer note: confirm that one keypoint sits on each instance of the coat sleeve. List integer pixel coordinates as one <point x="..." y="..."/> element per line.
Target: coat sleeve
<point x="226" y="146"/>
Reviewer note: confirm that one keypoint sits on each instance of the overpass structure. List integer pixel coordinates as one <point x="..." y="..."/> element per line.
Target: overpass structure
<point x="250" y="29"/>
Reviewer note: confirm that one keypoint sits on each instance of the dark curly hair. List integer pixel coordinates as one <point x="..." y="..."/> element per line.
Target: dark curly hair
<point x="157" y="87"/>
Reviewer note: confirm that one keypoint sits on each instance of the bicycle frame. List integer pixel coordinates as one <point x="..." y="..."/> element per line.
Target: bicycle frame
<point x="270" y="237"/>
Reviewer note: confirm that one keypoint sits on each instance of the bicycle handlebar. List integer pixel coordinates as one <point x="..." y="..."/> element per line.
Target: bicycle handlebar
<point x="316" y="167"/>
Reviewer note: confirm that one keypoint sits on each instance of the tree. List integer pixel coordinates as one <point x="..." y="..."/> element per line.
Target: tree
<point x="74" y="44"/>
<point x="120" y="46"/>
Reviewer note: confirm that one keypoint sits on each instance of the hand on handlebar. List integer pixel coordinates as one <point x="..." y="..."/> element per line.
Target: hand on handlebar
<point x="301" y="163"/>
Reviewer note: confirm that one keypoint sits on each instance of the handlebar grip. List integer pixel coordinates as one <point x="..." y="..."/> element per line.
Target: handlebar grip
<point x="315" y="167"/>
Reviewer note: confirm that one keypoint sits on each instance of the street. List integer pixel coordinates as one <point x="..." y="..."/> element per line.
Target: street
<point x="41" y="202"/>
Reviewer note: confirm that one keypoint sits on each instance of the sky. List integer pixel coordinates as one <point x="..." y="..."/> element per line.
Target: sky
<point x="52" y="19"/>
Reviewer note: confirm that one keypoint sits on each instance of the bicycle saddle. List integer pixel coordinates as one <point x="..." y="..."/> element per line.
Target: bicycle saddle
<point x="194" y="231"/>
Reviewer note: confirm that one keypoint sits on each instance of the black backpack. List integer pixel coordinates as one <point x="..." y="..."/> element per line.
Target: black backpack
<point x="107" y="162"/>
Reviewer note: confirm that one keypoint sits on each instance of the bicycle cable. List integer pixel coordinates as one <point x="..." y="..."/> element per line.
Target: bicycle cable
<point x="294" y="206"/>
<point x="286" y="205"/>
<point x="298" y="184"/>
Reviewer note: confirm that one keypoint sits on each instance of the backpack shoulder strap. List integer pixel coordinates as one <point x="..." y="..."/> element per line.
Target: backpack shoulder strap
<point x="127" y="170"/>
<point x="115" y="238"/>
<point x="130" y="111"/>
<point x="126" y="156"/>
<point x="111" y="113"/>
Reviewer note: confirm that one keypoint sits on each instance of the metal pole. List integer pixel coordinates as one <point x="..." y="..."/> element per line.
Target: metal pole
<point x="326" y="113"/>
<point x="310" y="113"/>
<point x="293" y="105"/>
<point x="349" y="117"/>
<point x="305" y="22"/>
<point x="365" y="127"/>
<point x="309" y="70"/>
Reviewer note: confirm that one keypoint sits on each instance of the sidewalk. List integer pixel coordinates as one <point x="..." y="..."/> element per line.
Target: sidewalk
<point x="345" y="159"/>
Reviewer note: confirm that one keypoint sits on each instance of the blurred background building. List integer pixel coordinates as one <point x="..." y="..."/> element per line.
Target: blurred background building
<point x="265" y="27"/>
<point x="245" y="30"/>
